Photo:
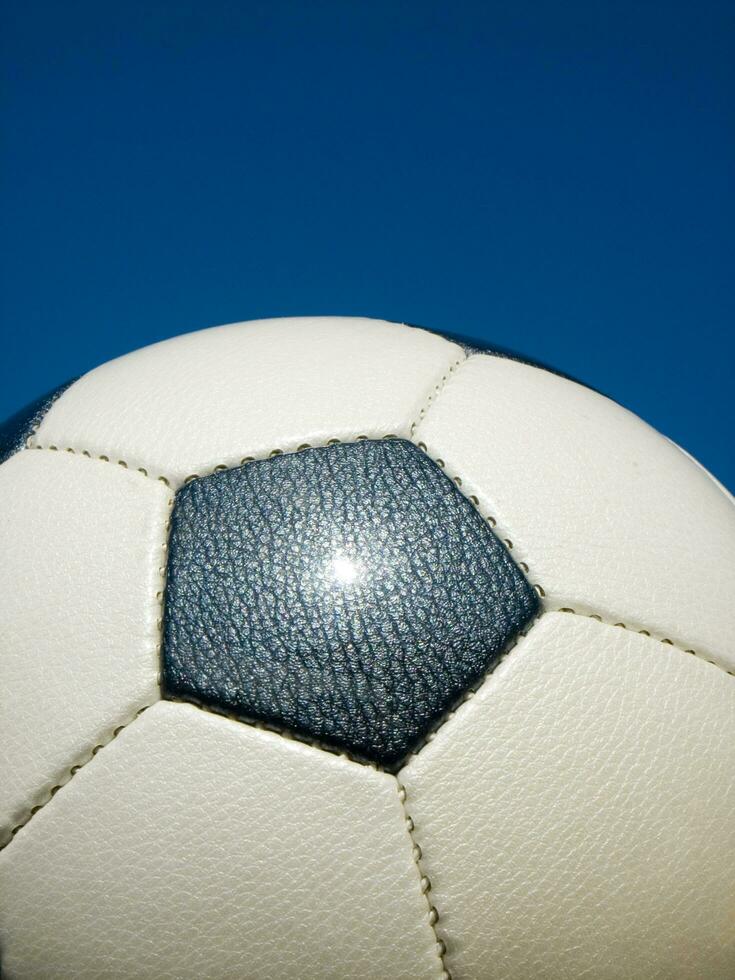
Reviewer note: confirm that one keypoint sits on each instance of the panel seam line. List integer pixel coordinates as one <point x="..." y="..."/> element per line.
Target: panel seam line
<point x="424" y="884"/>
<point x="434" y="392"/>
<point x="642" y="631"/>
<point x="68" y="774"/>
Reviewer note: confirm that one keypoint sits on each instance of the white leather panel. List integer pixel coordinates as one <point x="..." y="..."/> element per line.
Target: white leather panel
<point x="194" y="846"/>
<point x="81" y="544"/>
<point x="576" y="814"/>
<point x="721" y="487"/>
<point x="610" y="517"/>
<point x="211" y="398"/>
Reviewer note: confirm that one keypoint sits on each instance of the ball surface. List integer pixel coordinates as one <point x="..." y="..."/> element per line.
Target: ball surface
<point x="336" y="648"/>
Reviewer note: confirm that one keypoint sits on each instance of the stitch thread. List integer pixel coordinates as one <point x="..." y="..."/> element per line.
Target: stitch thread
<point x="424" y="884"/>
<point x="102" y="457"/>
<point x="441" y="463"/>
<point x="644" y="632"/>
<point x="470" y="692"/>
<point x="456" y="479"/>
<point x="158" y="596"/>
<point x="201" y="706"/>
<point x="488" y="518"/>
<point x="460" y="485"/>
<point x="434" y="393"/>
<point x="287" y="733"/>
<point x="70" y="773"/>
<point x="221" y="467"/>
<point x="174" y="484"/>
<point x="295" y="736"/>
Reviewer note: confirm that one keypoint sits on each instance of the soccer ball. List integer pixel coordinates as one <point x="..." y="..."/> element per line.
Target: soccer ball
<point x="335" y="648"/>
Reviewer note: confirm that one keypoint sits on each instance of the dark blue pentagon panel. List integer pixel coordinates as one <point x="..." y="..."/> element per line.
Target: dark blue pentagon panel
<point x="15" y="430"/>
<point x="348" y="594"/>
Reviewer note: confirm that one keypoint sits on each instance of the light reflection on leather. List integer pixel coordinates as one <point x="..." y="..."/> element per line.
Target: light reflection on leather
<point x="349" y="594"/>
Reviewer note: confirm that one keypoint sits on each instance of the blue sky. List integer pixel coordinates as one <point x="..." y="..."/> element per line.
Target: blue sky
<point x="554" y="178"/>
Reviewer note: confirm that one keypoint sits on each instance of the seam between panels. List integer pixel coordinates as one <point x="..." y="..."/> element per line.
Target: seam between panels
<point x="492" y="522"/>
<point x="82" y="761"/>
<point x="642" y="631"/>
<point x="86" y="454"/>
<point x="425" y="882"/>
<point x="436" y="388"/>
<point x="440" y="947"/>
<point x="470" y="692"/>
<point x="500" y="533"/>
<point x="99" y="457"/>
<point x="434" y="392"/>
<point x="160" y="593"/>
<point x="513" y="643"/>
<point x="175" y="484"/>
<point x="274" y="729"/>
<point x="69" y="774"/>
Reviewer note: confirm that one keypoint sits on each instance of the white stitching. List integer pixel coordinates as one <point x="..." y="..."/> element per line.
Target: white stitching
<point x="434" y="393"/>
<point x="642" y="631"/>
<point x="470" y="692"/>
<point x="295" y="736"/>
<point x="101" y="457"/>
<point x="273" y="729"/>
<point x="161" y="591"/>
<point x="69" y="773"/>
<point x="424" y="885"/>
<point x="474" y="500"/>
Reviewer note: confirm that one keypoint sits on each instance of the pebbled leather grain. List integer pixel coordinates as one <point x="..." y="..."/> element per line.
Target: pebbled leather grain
<point x="575" y="815"/>
<point x="15" y="430"/>
<point x="609" y="516"/>
<point x="81" y="545"/>
<point x="192" y="403"/>
<point x="350" y="594"/>
<point x="193" y="847"/>
<point x="472" y="346"/>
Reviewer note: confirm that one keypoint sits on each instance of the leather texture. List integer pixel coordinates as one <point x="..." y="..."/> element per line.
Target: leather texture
<point x="609" y="516"/>
<point x="82" y="550"/>
<point x="349" y="593"/>
<point x="575" y="815"/>
<point x="211" y="398"/>
<point x="16" y="430"/>
<point x="470" y="346"/>
<point x="721" y="487"/>
<point x="196" y="848"/>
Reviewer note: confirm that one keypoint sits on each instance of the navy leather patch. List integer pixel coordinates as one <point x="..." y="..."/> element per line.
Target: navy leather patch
<point x="15" y="431"/>
<point x="348" y="594"/>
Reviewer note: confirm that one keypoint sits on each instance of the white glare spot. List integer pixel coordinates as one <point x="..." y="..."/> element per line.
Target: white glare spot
<point x="344" y="570"/>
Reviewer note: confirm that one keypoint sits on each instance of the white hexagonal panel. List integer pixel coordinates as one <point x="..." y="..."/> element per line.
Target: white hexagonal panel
<point x="609" y="516"/>
<point x="82" y="546"/>
<point x="213" y="397"/>
<point x="576" y="814"/>
<point x="196" y="847"/>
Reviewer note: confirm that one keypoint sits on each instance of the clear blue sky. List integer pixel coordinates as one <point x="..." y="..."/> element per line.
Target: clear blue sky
<point x="553" y="177"/>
